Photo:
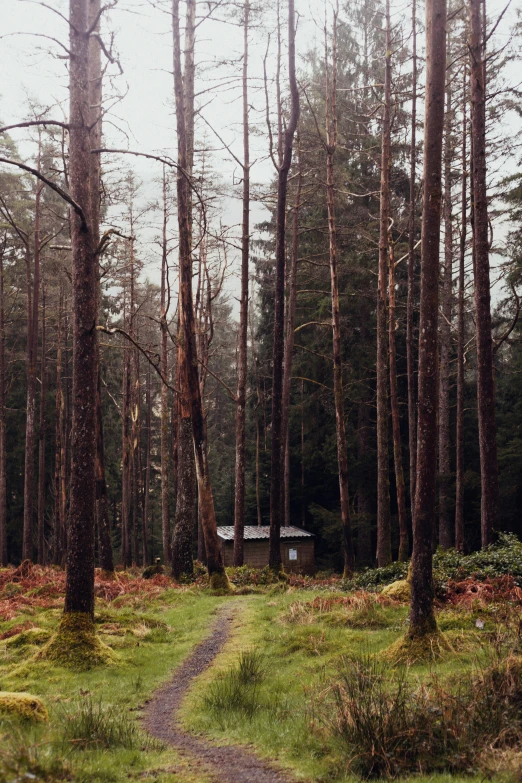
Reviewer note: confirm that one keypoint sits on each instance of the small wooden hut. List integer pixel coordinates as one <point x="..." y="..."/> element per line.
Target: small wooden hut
<point x="297" y="547"/>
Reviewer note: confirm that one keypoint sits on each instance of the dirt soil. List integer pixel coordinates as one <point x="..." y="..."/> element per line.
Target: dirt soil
<point x="226" y="764"/>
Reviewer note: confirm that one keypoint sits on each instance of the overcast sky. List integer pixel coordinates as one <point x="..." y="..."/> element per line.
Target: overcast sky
<point x="143" y="120"/>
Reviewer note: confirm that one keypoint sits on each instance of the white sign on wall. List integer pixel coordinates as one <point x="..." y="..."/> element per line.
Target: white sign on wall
<point x="292" y="554"/>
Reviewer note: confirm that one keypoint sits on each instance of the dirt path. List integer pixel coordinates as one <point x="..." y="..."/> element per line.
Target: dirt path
<point x="226" y="764"/>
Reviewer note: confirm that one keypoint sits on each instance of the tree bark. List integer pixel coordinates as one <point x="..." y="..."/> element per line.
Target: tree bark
<point x="242" y="357"/>
<point x="79" y="589"/>
<point x="404" y="539"/>
<point x="410" y="342"/>
<point x="485" y="369"/>
<point x="340" y="425"/>
<point x="59" y="540"/>
<point x="3" y="448"/>
<point x="33" y="296"/>
<point x="278" y="345"/>
<point x="41" y="442"/>
<point x="461" y="340"/>
<point x="164" y="400"/>
<point x="364" y="504"/>
<point x="289" y="346"/>
<point x="95" y="98"/>
<point x="384" y="553"/>
<point x="422" y="618"/>
<point x="445" y="519"/>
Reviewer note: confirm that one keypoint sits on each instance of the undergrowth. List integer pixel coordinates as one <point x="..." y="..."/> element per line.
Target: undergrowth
<point x="388" y="725"/>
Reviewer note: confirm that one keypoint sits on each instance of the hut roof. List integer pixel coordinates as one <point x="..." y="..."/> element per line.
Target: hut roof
<point x="255" y="533"/>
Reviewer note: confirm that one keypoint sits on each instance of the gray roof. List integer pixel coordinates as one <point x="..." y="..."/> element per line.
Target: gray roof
<point x="255" y="533"/>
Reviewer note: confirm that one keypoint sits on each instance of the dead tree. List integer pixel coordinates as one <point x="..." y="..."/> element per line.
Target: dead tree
<point x="276" y="474"/>
<point x="187" y="334"/>
<point x="422" y="618"/>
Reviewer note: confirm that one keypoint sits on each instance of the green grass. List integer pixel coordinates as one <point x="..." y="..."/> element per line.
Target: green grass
<point x="94" y="734"/>
<point x="281" y="713"/>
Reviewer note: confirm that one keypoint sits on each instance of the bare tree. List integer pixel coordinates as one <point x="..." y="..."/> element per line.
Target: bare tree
<point x="188" y="354"/>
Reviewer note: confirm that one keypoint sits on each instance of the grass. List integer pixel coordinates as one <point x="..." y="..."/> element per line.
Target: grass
<point x="94" y="734"/>
<point x="304" y="643"/>
<point x="281" y="683"/>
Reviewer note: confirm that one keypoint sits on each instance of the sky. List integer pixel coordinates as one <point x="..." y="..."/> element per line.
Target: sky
<point x="32" y="67"/>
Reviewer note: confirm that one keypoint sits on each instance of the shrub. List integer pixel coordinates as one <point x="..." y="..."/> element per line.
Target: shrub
<point x="237" y="691"/>
<point x="92" y="724"/>
<point x="388" y="726"/>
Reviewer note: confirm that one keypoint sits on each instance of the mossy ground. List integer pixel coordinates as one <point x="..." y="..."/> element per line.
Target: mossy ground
<point x="146" y="644"/>
<point x="300" y="634"/>
<point x="301" y="647"/>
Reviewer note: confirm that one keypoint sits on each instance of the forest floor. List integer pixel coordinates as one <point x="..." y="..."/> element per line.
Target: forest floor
<point x="272" y="670"/>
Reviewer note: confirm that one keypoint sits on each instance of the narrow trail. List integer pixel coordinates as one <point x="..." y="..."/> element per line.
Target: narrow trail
<point x="223" y="764"/>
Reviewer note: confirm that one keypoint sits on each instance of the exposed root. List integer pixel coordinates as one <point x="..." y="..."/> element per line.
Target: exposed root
<point x="22" y="705"/>
<point x="76" y="644"/>
<point x="423" y="648"/>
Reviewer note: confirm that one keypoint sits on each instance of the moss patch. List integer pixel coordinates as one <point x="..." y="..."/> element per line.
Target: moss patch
<point x="219" y="582"/>
<point x="76" y="644"/>
<point x="417" y="649"/>
<point x="29" y="636"/>
<point x="22" y="705"/>
<point x="398" y="591"/>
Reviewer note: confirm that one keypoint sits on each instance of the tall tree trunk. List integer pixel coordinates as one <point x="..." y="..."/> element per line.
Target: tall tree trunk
<point x="422" y="618"/>
<point x="33" y="296"/>
<point x="340" y="425"/>
<point x="289" y="345"/>
<point x="485" y="370"/>
<point x="164" y="400"/>
<point x="79" y="589"/>
<point x="404" y="540"/>
<point x="59" y="539"/>
<point x="186" y="488"/>
<point x="3" y="451"/>
<point x="242" y="357"/>
<point x="146" y="490"/>
<point x="188" y="353"/>
<point x="126" y="554"/>
<point x="364" y="503"/>
<point x="410" y="342"/>
<point x="445" y="519"/>
<point x="384" y="553"/>
<point x="278" y="349"/>
<point x="95" y="98"/>
<point x="461" y="340"/>
<point x="41" y="442"/>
